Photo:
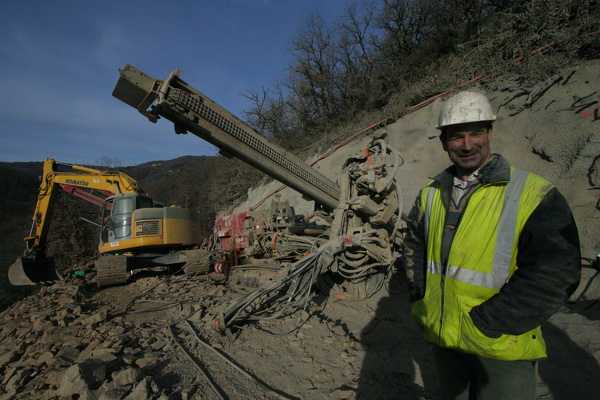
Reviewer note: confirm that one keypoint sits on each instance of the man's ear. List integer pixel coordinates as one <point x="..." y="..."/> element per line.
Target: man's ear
<point x="443" y="140"/>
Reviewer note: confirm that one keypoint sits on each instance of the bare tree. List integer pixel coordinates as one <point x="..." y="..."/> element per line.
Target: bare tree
<point x="379" y="47"/>
<point x="315" y="66"/>
<point x="356" y="54"/>
<point x="268" y="112"/>
<point x="404" y="24"/>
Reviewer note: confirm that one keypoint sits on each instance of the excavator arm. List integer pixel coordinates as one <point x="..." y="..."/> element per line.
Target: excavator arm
<point x="192" y="111"/>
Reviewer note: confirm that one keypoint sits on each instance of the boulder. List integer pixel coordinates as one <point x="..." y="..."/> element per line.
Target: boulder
<point x="128" y="376"/>
<point x="87" y="375"/>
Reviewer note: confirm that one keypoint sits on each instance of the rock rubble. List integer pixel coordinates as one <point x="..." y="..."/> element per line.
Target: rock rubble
<point x="58" y="345"/>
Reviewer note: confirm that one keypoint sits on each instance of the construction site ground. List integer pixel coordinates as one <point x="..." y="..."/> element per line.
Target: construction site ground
<point x="345" y="349"/>
<point x="155" y="338"/>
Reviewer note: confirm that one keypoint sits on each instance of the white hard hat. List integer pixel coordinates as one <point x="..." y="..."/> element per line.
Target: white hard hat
<point x="466" y="107"/>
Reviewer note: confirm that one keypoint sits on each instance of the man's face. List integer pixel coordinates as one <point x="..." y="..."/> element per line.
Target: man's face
<point x="468" y="146"/>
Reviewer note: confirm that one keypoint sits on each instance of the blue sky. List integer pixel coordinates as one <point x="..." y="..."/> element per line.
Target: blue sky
<point x="59" y="63"/>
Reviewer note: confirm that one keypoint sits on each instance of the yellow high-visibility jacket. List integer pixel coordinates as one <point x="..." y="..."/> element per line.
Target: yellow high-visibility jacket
<point x="481" y="260"/>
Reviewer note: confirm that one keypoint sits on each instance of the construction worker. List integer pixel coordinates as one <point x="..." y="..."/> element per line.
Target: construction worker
<point x="491" y="252"/>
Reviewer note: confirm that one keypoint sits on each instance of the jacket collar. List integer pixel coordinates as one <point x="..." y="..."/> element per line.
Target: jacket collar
<point x="496" y="170"/>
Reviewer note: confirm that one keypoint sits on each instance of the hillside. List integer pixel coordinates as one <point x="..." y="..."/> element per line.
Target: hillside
<point x="345" y="349"/>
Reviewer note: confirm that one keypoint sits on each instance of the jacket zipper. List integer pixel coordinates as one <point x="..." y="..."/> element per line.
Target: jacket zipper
<point x="444" y="271"/>
<point x="443" y="297"/>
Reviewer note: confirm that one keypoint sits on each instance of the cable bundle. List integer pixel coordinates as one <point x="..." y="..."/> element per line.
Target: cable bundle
<point x="286" y="296"/>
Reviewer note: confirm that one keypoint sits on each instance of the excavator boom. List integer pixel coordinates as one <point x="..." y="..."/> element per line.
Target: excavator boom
<point x="192" y="111"/>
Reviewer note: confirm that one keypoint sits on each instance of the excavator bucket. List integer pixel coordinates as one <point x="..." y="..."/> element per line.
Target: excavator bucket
<point x="33" y="271"/>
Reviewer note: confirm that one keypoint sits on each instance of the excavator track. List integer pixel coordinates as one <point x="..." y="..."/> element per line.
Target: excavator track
<point x="111" y="270"/>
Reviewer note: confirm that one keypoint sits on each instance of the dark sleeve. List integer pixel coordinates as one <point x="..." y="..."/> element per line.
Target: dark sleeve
<point x="549" y="270"/>
<point x="413" y="252"/>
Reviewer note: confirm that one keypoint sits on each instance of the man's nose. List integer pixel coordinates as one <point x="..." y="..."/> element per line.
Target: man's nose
<point x="467" y="143"/>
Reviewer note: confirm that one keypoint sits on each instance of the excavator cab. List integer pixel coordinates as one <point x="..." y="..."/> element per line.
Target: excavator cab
<point x="117" y="214"/>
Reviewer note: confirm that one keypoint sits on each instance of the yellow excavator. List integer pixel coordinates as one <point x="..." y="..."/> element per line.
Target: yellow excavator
<point x="135" y="231"/>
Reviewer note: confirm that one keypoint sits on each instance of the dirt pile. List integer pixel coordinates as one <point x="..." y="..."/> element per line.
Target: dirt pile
<point x="155" y="338"/>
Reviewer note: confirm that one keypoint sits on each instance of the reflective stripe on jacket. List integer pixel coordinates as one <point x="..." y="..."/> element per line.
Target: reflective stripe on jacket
<point x="482" y="259"/>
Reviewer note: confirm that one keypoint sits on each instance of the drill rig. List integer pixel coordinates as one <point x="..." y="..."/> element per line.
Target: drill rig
<point x="363" y="204"/>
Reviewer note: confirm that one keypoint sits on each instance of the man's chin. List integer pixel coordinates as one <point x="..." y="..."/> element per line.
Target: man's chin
<point x="466" y="160"/>
<point x="469" y="166"/>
